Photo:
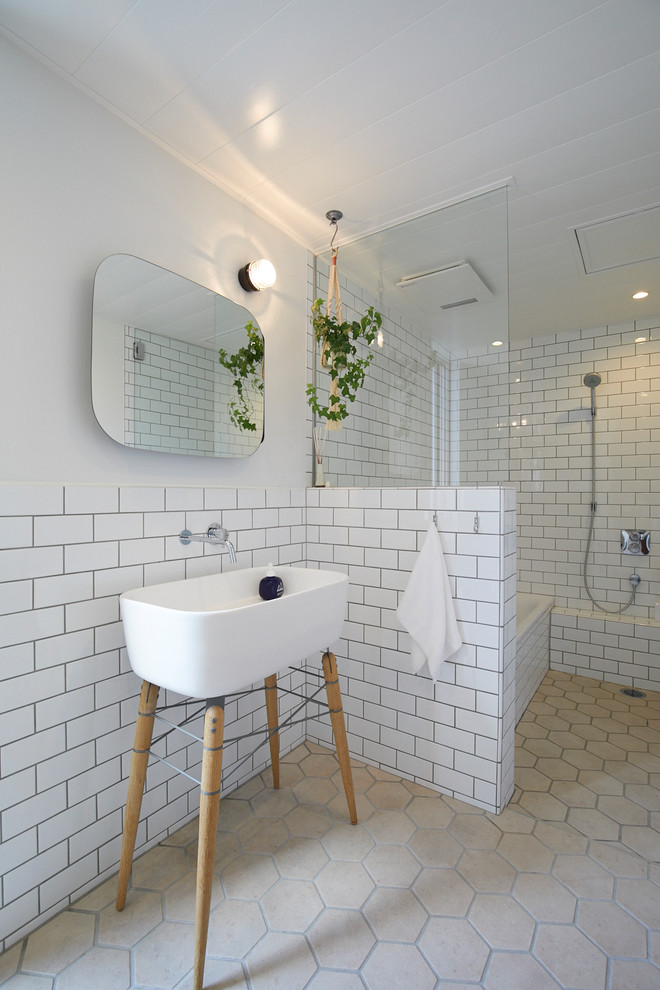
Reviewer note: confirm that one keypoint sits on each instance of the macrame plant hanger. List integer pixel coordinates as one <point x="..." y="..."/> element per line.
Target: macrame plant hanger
<point x="334" y="297"/>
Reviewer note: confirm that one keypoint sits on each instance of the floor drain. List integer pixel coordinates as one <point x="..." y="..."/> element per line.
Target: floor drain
<point x="633" y="693"/>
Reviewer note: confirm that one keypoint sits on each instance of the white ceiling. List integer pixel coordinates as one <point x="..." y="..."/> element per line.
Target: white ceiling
<point x="386" y="109"/>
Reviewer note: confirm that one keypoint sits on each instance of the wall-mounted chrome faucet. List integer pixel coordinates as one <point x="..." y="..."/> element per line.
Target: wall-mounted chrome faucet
<point x="215" y="534"/>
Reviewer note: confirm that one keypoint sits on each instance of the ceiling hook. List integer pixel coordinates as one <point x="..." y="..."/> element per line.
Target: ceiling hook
<point x="334" y="216"/>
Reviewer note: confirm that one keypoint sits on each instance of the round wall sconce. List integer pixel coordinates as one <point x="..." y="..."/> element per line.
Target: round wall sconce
<point x="257" y="275"/>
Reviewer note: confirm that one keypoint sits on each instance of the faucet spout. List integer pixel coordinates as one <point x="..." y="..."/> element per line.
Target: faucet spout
<point x="215" y="534"/>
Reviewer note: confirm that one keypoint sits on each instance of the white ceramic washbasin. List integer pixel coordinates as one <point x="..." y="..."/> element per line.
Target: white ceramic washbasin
<point x="209" y="636"/>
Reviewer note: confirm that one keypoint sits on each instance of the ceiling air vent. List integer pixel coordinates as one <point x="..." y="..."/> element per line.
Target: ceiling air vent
<point x="462" y="302"/>
<point x="445" y="288"/>
<point x="626" y="239"/>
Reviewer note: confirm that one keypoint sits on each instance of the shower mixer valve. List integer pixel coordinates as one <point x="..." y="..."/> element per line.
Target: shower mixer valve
<point x="635" y="542"/>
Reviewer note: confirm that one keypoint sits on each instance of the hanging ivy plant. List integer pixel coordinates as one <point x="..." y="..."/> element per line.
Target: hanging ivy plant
<point x="246" y="369"/>
<point x="339" y="348"/>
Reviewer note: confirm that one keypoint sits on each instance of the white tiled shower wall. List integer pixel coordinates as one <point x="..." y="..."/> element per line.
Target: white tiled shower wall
<point x="550" y="459"/>
<point x="68" y="704"/>
<point x="399" y="428"/>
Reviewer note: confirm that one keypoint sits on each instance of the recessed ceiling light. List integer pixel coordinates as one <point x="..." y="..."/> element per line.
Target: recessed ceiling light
<point x="640" y="340"/>
<point x="642" y="294"/>
<point x="497" y="343"/>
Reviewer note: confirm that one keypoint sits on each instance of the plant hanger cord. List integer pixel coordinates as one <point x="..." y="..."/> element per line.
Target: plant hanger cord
<point x="334" y="296"/>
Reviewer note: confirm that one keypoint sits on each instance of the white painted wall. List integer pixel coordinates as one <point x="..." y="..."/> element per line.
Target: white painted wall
<point x="78" y="184"/>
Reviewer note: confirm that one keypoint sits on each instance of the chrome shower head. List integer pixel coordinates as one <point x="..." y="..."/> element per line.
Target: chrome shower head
<point x="592" y="379"/>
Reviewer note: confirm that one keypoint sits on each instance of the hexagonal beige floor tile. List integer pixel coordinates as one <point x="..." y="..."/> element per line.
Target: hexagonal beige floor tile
<point x="619" y="860"/>
<point x="530" y="779"/>
<point x="389" y="794"/>
<point x="600" y="782"/>
<point x="344" y="885"/>
<point x="143" y="911"/>
<point x="271" y="803"/>
<point x="315" y="790"/>
<point x="543" y="748"/>
<point x="281" y="962"/>
<point x="233" y="813"/>
<point x="444" y="892"/>
<point x="486" y="871"/>
<point x="642" y="899"/>
<point x="429" y="812"/>
<point x="114" y="964"/>
<point x="21" y="981"/>
<point x="392" y="866"/>
<point x="218" y="973"/>
<point x="475" y="832"/>
<point x="545" y="898"/>
<point x="319" y="765"/>
<point x="300" y="858"/>
<point x="437" y="847"/>
<point x="543" y="806"/>
<point x="395" y="914"/>
<point x="291" y="905"/>
<point x="338" y="807"/>
<point x="584" y="876"/>
<point x="347" y="842"/>
<point x="526" y="852"/>
<point x="164" y="956"/>
<point x="341" y="939"/>
<point x="454" y="949"/>
<point x="502" y="922"/>
<point x="311" y="821"/>
<point x="612" y="929"/>
<point x="362" y="779"/>
<point x="159" y="867"/>
<point x="572" y="959"/>
<point x="235" y="927"/>
<point x="251" y="875"/>
<point x="573" y="793"/>
<point x="391" y="826"/>
<point x="391" y="967"/>
<point x="641" y="840"/>
<point x="593" y="823"/>
<point x="262" y="835"/>
<point x="9" y="961"/>
<point x="644" y="795"/>
<point x="514" y="970"/>
<point x="58" y="942"/>
<point x="179" y="899"/>
<point x="634" y="975"/>
<point x="560" y="837"/>
<point x="326" y="980"/>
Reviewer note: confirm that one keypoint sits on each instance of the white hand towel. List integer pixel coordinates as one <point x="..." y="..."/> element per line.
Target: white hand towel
<point x="427" y="609"/>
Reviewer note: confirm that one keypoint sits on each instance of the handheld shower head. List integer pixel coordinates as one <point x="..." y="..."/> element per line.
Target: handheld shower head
<point x="592" y="379"/>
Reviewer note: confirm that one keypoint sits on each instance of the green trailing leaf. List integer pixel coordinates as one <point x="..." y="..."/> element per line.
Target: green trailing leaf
<point x="246" y="368"/>
<point x="339" y="343"/>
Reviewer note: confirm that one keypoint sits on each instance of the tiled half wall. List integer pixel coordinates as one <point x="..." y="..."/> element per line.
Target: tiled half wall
<point x="68" y="700"/>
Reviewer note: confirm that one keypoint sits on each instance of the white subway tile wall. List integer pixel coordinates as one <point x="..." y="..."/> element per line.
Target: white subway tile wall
<point x="619" y="648"/>
<point x="69" y="698"/>
<point x="452" y="735"/>
<point x="178" y="395"/>
<point x="551" y="462"/>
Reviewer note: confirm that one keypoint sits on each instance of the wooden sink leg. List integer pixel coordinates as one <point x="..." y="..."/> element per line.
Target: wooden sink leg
<point x="273" y="721"/>
<point x="144" y="730"/>
<point x="209" y="802"/>
<point x="339" y="729"/>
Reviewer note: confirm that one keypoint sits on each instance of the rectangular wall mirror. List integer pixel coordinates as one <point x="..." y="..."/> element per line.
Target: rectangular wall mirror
<point x="176" y="367"/>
